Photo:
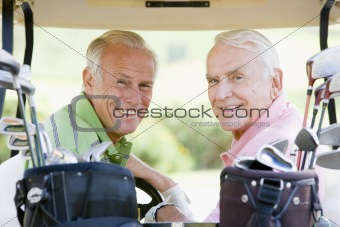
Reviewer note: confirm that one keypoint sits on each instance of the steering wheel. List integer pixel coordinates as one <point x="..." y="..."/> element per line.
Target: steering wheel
<point x="156" y="197"/>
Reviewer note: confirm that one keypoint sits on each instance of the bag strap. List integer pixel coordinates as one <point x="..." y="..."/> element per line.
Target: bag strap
<point x="296" y="186"/>
<point x="269" y="195"/>
<point x="19" y="200"/>
<point x="317" y="208"/>
<point x="28" y="15"/>
<point x="324" y="21"/>
<point x="315" y="203"/>
<point x="7" y="39"/>
<point x="59" y="194"/>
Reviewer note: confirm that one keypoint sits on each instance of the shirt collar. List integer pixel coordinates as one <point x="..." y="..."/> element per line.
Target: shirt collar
<point x="275" y="111"/>
<point x="85" y="111"/>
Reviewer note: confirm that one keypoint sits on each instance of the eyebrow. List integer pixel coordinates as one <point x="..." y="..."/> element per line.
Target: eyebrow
<point x="226" y="74"/>
<point x="123" y="75"/>
<point x="129" y="78"/>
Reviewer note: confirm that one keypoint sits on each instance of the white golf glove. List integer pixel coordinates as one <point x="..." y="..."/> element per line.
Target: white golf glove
<point x="173" y="196"/>
<point x="179" y="198"/>
<point x="151" y="215"/>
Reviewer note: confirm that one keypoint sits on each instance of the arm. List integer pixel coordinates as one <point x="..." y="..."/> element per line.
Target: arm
<point x="171" y="214"/>
<point x="152" y="176"/>
<point x="169" y="189"/>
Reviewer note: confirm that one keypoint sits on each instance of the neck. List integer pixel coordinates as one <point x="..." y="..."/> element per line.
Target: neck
<point x="238" y="133"/>
<point x="114" y="137"/>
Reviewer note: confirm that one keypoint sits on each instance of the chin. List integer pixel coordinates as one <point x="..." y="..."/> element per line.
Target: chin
<point x="232" y="125"/>
<point x="230" y="129"/>
<point x="127" y="128"/>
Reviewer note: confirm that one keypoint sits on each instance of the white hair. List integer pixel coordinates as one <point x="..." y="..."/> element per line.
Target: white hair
<point x="130" y="39"/>
<point x="252" y="41"/>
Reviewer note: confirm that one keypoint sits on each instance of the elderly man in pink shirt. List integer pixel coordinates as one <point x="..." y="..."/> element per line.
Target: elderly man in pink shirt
<point x="247" y="97"/>
<point x="245" y="92"/>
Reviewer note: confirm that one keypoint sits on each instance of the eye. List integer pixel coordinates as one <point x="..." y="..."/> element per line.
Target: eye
<point x="145" y="87"/>
<point x="212" y="81"/>
<point x="236" y="77"/>
<point x="122" y="83"/>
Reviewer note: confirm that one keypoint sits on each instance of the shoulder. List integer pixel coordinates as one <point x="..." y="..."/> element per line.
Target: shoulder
<point x="66" y="129"/>
<point x="286" y="127"/>
<point x="291" y="113"/>
<point x="65" y="118"/>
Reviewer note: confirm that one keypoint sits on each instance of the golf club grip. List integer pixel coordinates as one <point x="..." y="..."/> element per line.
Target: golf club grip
<point x="304" y="160"/>
<point x="298" y="159"/>
<point x="306" y="111"/>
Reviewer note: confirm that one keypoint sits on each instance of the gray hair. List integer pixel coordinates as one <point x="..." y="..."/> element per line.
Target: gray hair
<point x="130" y="39"/>
<point x="252" y="41"/>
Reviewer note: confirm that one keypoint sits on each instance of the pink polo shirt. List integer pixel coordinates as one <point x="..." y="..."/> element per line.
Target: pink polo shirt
<point x="284" y="122"/>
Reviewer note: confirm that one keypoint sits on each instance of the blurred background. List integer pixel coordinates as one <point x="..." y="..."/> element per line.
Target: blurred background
<point x="180" y="147"/>
<point x="170" y="144"/>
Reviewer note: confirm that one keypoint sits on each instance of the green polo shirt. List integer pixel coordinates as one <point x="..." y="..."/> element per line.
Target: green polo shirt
<point x="77" y="128"/>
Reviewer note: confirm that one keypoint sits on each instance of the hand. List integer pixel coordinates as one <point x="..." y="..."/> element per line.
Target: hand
<point x="176" y="196"/>
<point x="148" y="218"/>
<point x="151" y="215"/>
<point x="165" y="212"/>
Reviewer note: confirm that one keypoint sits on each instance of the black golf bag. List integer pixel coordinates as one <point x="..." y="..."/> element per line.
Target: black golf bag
<point x="82" y="194"/>
<point x="260" y="198"/>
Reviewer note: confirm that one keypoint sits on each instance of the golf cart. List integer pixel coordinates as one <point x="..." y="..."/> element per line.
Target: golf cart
<point x="190" y="15"/>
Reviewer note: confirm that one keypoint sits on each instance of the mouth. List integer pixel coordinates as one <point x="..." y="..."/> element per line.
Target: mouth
<point x="127" y="112"/>
<point x="230" y="108"/>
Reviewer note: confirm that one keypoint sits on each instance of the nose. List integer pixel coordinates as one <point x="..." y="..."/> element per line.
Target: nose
<point x="132" y="96"/>
<point x="222" y="90"/>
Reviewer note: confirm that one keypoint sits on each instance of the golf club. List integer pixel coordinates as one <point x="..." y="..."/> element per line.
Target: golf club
<point x="19" y="142"/>
<point x="332" y="90"/>
<point x="47" y="146"/>
<point x="248" y="162"/>
<point x="280" y="144"/>
<point x="26" y="154"/>
<point x="9" y="64"/>
<point x="15" y="126"/>
<point x="29" y="89"/>
<point x="318" y="93"/>
<point x="311" y="81"/>
<point x="321" y="65"/>
<point x="329" y="160"/>
<point x="11" y="121"/>
<point x="330" y="135"/>
<point x="61" y="155"/>
<point x="272" y="157"/>
<point x="6" y="81"/>
<point x="293" y="152"/>
<point x="15" y="143"/>
<point x="306" y="141"/>
<point x="322" y="61"/>
<point x="327" y="63"/>
<point x="97" y="149"/>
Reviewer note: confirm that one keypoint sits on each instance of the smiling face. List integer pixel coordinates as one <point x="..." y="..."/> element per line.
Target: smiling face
<point x="127" y="74"/>
<point x="238" y="89"/>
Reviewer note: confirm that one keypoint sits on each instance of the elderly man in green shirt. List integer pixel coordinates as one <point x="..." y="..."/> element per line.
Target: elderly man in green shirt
<point x="117" y="84"/>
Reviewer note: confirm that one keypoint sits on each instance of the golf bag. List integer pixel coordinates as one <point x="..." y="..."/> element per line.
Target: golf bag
<point x="81" y="194"/>
<point x="260" y="198"/>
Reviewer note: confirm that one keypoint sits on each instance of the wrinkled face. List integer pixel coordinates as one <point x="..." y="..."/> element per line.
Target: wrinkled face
<point x="128" y="75"/>
<point x="238" y="90"/>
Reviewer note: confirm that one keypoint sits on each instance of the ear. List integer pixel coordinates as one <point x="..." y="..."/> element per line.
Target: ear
<point x="88" y="80"/>
<point x="276" y="84"/>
